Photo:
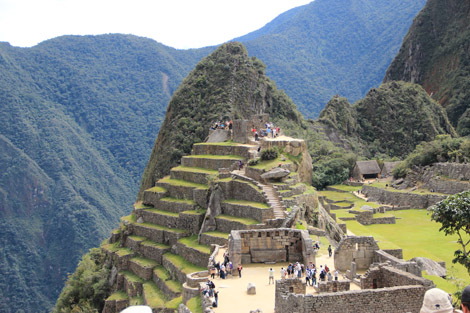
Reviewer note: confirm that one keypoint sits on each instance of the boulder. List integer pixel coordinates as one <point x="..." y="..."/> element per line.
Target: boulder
<point x="275" y="173"/>
<point x="251" y="289"/>
<point x="430" y="266"/>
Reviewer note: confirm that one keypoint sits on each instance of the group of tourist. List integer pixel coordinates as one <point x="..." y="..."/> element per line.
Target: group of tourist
<point x="269" y="131"/>
<point x="210" y="293"/>
<point x="222" y="270"/>
<point x="299" y="270"/>
<point x="222" y="125"/>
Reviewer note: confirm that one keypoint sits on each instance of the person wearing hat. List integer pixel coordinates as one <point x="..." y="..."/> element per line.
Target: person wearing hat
<point x="465" y="300"/>
<point x="437" y="301"/>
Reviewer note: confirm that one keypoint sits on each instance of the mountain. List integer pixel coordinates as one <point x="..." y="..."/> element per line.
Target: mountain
<point x="331" y="47"/>
<point x="436" y="54"/>
<point x="226" y="85"/>
<point x="77" y="121"/>
<point x="79" y="116"/>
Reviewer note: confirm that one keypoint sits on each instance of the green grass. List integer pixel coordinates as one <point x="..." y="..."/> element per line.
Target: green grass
<point x="345" y="196"/>
<point x="118" y="295"/>
<point x="223" y="143"/>
<point x="162" y="212"/>
<point x="163" y="228"/>
<point x="132" y="277"/>
<point x="174" y="303"/>
<point x="111" y="247"/>
<point x="258" y="205"/>
<point x="156" y="189"/>
<point x="192" y="242"/>
<point x="183" y="265"/>
<point x="140" y="205"/>
<point x="248" y="183"/>
<point x="343" y="204"/>
<point x="323" y="244"/>
<point x="165" y="276"/>
<point x="270" y="164"/>
<point x="242" y="220"/>
<point x="139" y="300"/>
<point x="137" y="238"/>
<point x="182" y="183"/>
<point x="130" y="218"/>
<point x="155" y="244"/>
<point x="346" y="187"/>
<point x="195" y="212"/>
<point x="176" y="200"/>
<point x="217" y="234"/>
<point x="215" y="157"/>
<point x="144" y="262"/>
<point x="194" y="304"/>
<point x="116" y="231"/>
<point x="419" y="191"/>
<point x="124" y="251"/>
<point x="154" y="296"/>
<point x="195" y="170"/>
<point x="417" y="235"/>
<point x="300" y="226"/>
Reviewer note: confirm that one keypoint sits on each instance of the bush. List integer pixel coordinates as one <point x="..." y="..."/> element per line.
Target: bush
<point x="330" y="172"/>
<point x="269" y="154"/>
<point x="253" y="162"/>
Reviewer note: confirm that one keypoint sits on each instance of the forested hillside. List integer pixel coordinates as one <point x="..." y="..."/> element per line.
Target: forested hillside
<point x="436" y="54"/>
<point x="77" y="121"/>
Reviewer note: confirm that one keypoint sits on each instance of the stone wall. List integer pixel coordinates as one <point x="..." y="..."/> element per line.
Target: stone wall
<point x="383" y="276"/>
<point x="355" y="249"/>
<point x="204" y="149"/>
<point x="407" y="266"/>
<point x="367" y="218"/>
<point x="400" y="198"/>
<point x="271" y="245"/>
<point x="447" y="186"/>
<point x="333" y="286"/>
<point x="237" y="189"/>
<point x="241" y="210"/>
<point x="386" y="300"/>
<point x="194" y="255"/>
<point x="191" y="222"/>
<point x="457" y="171"/>
<point x="240" y="131"/>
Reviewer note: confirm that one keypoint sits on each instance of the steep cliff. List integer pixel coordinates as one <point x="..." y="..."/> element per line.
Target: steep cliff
<point x="225" y="85"/>
<point x="436" y="54"/>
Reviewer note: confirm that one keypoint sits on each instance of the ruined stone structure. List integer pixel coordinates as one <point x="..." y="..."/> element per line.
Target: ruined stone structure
<point x="367" y="218"/>
<point x="271" y="245"/>
<point x="355" y="249"/>
<point x="401" y="199"/>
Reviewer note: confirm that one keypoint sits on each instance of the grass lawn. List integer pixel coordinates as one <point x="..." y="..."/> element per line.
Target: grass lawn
<point x="183" y="183"/>
<point x="417" y="235"/>
<point x="346" y="187"/>
<point x="154" y="296"/>
<point x="242" y="220"/>
<point x="215" y="157"/>
<point x="118" y="295"/>
<point x="269" y="164"/>
<point x="195" y="170"/>
<point x="192" y="242"/>
<point x="217" y="234"/>
<point x="194" y="304"/>
<point x="258" y="205"/>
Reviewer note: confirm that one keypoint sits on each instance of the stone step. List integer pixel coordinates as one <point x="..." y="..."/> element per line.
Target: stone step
<point x="158" y="233"/>
<point x="119" y="255"/>
<point x="154" y="297"/>
<point x="257" y="210"/>
<point x="193" y="174"/>
<point x="142" y="267"/>
<point x="214" y="237"/>
<point x="131" y="283"/>
<point x="179" y="267"/>
<point x="152" y="195"/>
<point x="191" y="249"/>
<point x="175" y="205"/>
<point x="158" y="217"/>
<point x="170" y="287"/>
<point x="116" y="302"/>
<point x="227" y="223"/>
<point x="181" y="189"/>
<point x="212" y="162"/>
<point x="224" y="148"/>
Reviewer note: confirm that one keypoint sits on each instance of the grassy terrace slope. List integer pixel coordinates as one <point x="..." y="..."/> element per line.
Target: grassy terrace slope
<point x="414" y="232"/>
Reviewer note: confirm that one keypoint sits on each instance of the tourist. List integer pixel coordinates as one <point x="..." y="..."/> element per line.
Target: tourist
<point x="222" y="271"/>
<point x="217" y="266"/>
<point x="327" y="269"/>
<point x="230" y="267"/>
<point x="437" y="301"/>
<point x="240" y="165"/>
<point x="307" y="277"/>
<point x="216" y="298"/>
<point x="313" y="277"/>
<point x="271" y="275"/>
<point x="283" y="273"/>
<point x="240" y="270"/>
<point x="289" y="270"/>
<point x="329" y="250"/>
<point x="302" y="268"/>
<point x="213" y="271"/>
<point x="329" y="277"/>
<point x="336" y="274"/>
<point x="256" y="137"/>
<point x="465" y="300"/>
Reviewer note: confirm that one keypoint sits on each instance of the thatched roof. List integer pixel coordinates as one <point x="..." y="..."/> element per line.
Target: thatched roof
<point x="368" y="167"/>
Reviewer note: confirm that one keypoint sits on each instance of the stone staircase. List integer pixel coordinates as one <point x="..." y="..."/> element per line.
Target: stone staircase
<point x="274" y="201"/>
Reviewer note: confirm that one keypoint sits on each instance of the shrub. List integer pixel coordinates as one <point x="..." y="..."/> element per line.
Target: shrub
<point x="269" y="154"/>
<point x="253" y="162"/>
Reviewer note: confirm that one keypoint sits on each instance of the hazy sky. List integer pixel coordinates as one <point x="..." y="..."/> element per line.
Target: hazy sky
<point x="176" y="23"/>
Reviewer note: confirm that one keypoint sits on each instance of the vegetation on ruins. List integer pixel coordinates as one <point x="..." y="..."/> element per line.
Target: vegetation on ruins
<point x="443" y="149"/>
<point x="453" y="214"/>
<point x="269" y="154"/>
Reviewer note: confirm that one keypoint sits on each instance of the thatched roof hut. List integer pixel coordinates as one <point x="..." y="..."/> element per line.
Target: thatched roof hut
<point x="366" y="169"/>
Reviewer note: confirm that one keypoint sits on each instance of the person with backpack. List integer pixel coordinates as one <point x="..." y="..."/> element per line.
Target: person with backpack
<point x="240" y="270"/>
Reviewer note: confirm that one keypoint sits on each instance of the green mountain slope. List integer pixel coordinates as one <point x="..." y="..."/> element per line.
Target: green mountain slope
<point x="77" y="120"/>
<point x="331" y="47"/>
<point x="436" y="54"/>
<point x="225" y="85"/>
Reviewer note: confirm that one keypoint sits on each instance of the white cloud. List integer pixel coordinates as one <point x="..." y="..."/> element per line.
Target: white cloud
<point x="177" y="23"/>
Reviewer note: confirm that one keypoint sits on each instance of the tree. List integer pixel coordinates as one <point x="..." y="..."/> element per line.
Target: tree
<point x="454" y="215"/>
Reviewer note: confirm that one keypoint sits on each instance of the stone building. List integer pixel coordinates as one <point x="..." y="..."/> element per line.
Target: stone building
<point x="366" y="170"/>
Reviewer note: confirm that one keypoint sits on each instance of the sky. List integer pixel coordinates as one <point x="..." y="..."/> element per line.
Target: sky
<point x="180" y="24"/>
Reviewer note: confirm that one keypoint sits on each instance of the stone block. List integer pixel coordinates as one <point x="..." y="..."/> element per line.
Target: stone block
<point x="251" y="289"/>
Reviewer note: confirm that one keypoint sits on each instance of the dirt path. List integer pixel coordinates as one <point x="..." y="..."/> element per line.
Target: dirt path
<point x="232" y="291"/>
